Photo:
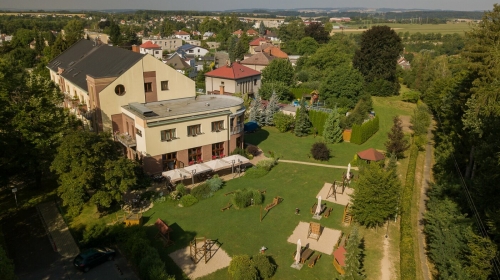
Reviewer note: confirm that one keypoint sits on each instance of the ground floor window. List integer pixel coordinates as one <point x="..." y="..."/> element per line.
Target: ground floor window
<point x="238" y="142"/>
<point x="218" y="150"/>
<point x="194" y="155"/>
<point x="169" y="161"/>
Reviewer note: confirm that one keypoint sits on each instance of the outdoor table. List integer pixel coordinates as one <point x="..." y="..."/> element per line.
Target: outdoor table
<point x="305" y="255"/>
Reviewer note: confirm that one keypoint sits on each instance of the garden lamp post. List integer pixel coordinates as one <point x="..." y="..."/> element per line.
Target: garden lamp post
<point x="232" y="166"/>
<point x="14" y="190"/>
<point x="192" y="175"/>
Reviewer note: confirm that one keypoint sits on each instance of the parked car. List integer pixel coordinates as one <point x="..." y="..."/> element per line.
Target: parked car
<point x="93" y="257"/>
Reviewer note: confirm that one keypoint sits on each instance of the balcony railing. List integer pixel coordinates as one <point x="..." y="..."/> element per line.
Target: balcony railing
<point x="125" y="139"/>
<point x="237" y="129"/>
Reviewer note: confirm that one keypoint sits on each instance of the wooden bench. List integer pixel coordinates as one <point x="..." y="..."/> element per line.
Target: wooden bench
<point x="226" y="194"/>
<point x="328" y="212"/>
<point x="227" y="207"/>
<point x="313" y="208"/>
<point x="263" y="191"/>
<point x="277" y="200"/>
<point x="313" y="261"/>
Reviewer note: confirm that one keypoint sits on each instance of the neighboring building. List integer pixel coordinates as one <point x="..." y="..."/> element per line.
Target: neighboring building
<point x="182" y="35"/>
<point x="191" y="51"/>
<point x="213" y="45"/>
<point x="231" y="79"/>
<point x="152" y="49"/>
<point x="238" y="33"/>
<point x="104" y="38"/>
<point x="208" y="35"/>
<point x="177" y="62"/>
<point x="168" y="44"/>
<point x="149" y="107"/>
<point x="293" y="59"/>
<point x="256" y="43"/>
<point x="251" y="32"/>
<point x="194" y="42"/>
<point x="261" y="47"/>
<point x="258" y="61"/>
<point x="276" y="52"/>
<point x="405" y="64"/>
<point x="272" y="36"/>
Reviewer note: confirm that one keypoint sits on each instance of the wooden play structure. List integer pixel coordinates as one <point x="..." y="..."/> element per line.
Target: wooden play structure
<point x="315" y="205"/>
<point x="201" y="248"/>
<point x="164" y="232"/>
<point x="227" y="207"/>
<point x="277" y="200"/>
<point x="314" y="231"/>
<point x="338" y="187"/>
<point x="129" y="219"/>
<point x="347" y="216"/>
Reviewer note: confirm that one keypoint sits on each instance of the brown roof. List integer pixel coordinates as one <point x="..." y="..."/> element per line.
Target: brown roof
<point x="258" y="59"/>
<point x="256" y="42"/>
<point x="262" y="47"/>
<point x="181" y="32"/>
<point x="339" y="255"/>
<point x="233" y="72"/>
<point x="238" y="32"/>
<point x="275" y="51"/>
<point x="252" y="32"/>
<point x="371" y="154"/>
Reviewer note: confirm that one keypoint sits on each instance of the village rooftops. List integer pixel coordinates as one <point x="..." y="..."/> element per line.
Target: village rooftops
<point x="191" y="106"/>
<point x="233" y="72"/>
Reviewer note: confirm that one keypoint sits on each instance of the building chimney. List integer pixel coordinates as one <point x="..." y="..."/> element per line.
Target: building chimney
<point x="221" y="89"/>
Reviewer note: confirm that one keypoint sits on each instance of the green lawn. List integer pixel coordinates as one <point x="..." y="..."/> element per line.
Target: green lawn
<point x="290" y="147"/>
<point x="241" y="232"/>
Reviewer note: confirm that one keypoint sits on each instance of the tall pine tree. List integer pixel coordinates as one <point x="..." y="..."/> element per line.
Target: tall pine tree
<point x="353" y="265"/>
<point x="302" y="122"/>
<point x="332" y="131"/>
<point x="272" y="108"/>
<point x="396" y="144"/>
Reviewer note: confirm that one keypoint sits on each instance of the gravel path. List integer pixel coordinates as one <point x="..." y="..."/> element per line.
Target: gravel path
<point x="386" y="266"/>
<point x="317" y="164"/>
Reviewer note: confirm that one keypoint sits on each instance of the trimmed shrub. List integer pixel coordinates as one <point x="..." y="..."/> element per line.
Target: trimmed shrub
<point x="201" y="191"/>
<point x="181" y="189"/>
<point x="283" y="122"/>
<point x="239" y="151"/>
<point x="264" y="266"/>
<point x="266" y="164"/>
<point x="411" y="96"/>
<point x="188" y="200"/>
<point x="299" y="92"/>
<point x="318" y="119"/>
<point x="253" y="150"/>
<point x="257" y="197"/>
<point x="241" y="198"/>
<point x="255" y="172"/>
<point x="215" y="183"/>
<point x="361" y="133"/>
<point x="241" y="267"/>
<point x="320" y="151"/>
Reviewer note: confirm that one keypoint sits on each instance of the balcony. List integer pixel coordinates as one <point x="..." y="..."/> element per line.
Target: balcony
<point x="125" y="139"/>
<point x="237" y="129"/>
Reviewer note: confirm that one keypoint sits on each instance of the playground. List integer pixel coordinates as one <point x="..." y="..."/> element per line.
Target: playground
<point x="275" y="224"/>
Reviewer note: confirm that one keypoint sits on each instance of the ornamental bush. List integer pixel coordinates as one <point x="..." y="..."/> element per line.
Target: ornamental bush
<point x="201" y="191"/>
<point x="320" y="151"/>
<point x="242" y="268"/>
<point x="215" y="183"/>
<point x="267" y="164"/>
<point x="264" y="266"/>
<point x="188" y="200"/>
<point x="283" y="122"/>
<point x="255" y="172"/>
<point x="181" y="189"/>
<point x="253" y="150"/>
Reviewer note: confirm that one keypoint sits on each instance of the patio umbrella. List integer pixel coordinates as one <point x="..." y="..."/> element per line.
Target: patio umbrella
<point x="218" y="164"/>
<point x="297" y="255"/>
<point x="349" y="171"/>
<point x="175" y="175"/>
<point x="238" y="159"/>
<point x="196" y="169"/>
<point x="318" y="208"/>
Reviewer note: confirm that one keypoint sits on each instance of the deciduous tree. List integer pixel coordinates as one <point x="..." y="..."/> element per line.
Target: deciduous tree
<point x="279" y="70"/>
<point x="343" y="87"/>
<point x="317" y="31"/>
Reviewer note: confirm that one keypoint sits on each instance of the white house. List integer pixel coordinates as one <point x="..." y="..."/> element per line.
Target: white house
<point x="189" y="50"/>
<point x="152" y="49"/>
<point x="182" y="35"/>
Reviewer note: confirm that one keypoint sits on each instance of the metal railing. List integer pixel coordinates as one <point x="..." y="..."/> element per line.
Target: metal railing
<point x="125" y="139"/>
<point x="237" y="129"/>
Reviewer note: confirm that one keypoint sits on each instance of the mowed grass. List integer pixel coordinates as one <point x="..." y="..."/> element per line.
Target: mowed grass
<point x="241" y="232"/>
<point x="290" y="147"/>
<point x="448" y="28"/>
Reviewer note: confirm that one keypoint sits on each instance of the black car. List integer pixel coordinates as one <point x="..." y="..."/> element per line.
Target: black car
<point x="93" y="257"/>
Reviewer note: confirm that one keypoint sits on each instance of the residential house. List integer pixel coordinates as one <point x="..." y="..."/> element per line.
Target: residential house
<point x="208" y="35"/>
<point x="213" y="45"/>
<point x="255" y="43"/>
<point x="260" y="47"/>
<point x="258" y="61"/>
<point x="149" y="107"/>
<point x="405" y="64"/>
<point x="104" y="38"/>
<point x="276" y="52"/>
<point x="251" y="32"/>
<point x="152" y="49"/>
<point x="271" y="36"/>
<point x="194" y="42"/>
<point x="182" y="35"/>
<point x="238" y="33"/>
<point x="168" y="44"/>
<point x="177" y="62"/>
<point x="230" y="79"/>
<point x="192" y="51"/>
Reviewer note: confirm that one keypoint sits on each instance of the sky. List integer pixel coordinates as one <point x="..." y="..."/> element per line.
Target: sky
<point x="220" y="5"/>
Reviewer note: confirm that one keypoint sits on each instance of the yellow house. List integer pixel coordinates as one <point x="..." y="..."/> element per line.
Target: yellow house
<point x="148" y="106"/>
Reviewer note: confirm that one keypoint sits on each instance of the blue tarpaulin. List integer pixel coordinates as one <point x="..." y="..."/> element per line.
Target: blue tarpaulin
<point x="251" y="126"/>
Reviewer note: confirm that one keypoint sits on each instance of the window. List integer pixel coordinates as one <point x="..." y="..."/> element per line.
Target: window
<point x="222" y="83"/>
<point x="238" y="142"/>
<point x="254" y="82"/>
<point x="168" y="135"/>
<point x="138" y="131"/>
<point x="148" y="87"/>
<point x="194" y="130"/>
<point x="164" y="85"/>
<point x="194" y="155"/>
<point x="168" y="161"/>
<point x="157" y="52"/>
<point x="218" y="126"/>
<point x="218" y="149"/>
<point x="120" y="90"/>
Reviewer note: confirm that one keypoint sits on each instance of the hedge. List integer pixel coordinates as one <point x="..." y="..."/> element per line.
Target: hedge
<point x="408" y="266"/>
<point x="318" y="119"/>
<point x="361" y="133"/>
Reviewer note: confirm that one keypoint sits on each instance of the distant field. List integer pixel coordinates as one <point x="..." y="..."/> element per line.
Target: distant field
<point x="448" y="28"/>
<point x="42" y="13"/>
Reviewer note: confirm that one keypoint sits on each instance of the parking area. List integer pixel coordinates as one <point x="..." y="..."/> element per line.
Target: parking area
<point x="35" y="258"/>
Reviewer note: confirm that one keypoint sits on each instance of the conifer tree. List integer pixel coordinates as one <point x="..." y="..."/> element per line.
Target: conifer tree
<point x="353" y="266"/>
<point x="376" y="197"/>
<point x="302" y="122"/>
<point x="253" y="111"/>
<point x="332" y="131"/>
<point x="271" y="109"/>
<point x="396" y="144"/>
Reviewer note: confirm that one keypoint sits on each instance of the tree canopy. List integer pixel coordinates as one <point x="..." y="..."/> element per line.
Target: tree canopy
<point x="343" y="87"/>
<point x="279" y="70"/>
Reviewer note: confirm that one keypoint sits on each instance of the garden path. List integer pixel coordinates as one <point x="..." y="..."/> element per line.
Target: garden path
<point x="386" y="266"/>
<point x="317" y="164"/>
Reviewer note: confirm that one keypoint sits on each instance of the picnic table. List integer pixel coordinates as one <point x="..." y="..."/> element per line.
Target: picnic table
<point x="306" y="254"/>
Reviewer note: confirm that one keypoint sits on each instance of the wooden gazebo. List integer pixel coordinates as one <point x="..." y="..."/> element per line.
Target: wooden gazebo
<point x="371" y="155"/>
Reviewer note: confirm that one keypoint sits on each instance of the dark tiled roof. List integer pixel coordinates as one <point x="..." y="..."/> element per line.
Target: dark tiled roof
<point x="258" y="59"/>
<point x="99" y="61"/>
<point x="71" y="55"/>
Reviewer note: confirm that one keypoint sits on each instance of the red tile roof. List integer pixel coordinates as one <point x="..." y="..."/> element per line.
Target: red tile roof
<point x="150" y="45"/>
<point x="233" y="72"/>
<point x="252" y="32"/>
<point x="256" y="42"/>
<point x="339" y="255"/>
<point x="275" y="51"/>
<point x="180" y="32"/>
<point x="371" y="154"/>
<point x="238" y="32"/>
